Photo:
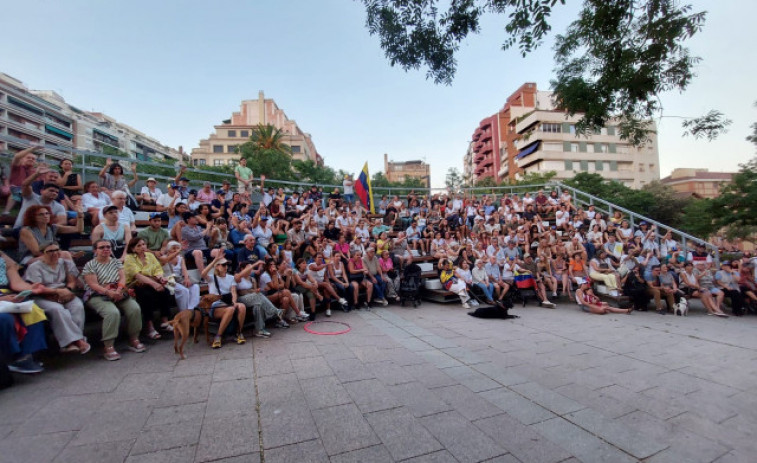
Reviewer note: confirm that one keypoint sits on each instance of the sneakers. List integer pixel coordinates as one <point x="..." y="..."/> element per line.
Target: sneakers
<point x="216" y="343"/>
<point x="383" y="302"/>
<point x="548" y="304"/>
<point x="474" y="303"/>
<point x="328" y="311"/>
<point x="343" y="302"/>
<point x="282" y="324"/>
<point x="466" y="305"/>
<point x="26" y="365"/>
<point x="262" y="334"/>
<point x="241" y="339"/>
<point x="303" y="317"/>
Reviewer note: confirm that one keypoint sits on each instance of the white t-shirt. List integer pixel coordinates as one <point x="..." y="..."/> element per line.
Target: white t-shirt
<point x="153" y="194"/>
<point x="126" y="216"/>
<point x="165" y="200"/>
<point x="348" y="187"/>
<point x="224" y="284"/>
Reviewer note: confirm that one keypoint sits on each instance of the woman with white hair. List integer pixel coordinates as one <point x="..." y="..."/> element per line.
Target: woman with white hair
<point x="187" y="294"/>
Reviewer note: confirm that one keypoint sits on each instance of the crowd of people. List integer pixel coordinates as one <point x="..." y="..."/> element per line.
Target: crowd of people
<point x="284" y="257"/>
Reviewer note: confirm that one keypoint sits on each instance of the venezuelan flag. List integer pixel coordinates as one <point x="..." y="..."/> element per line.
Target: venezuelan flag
<point x="364" y="190"/>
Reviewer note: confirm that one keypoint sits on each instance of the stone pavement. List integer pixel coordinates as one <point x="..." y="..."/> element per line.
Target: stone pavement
<point x="416" y="385"/>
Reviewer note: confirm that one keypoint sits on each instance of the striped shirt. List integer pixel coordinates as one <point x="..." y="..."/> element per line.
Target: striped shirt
<point x="106" y="273"/>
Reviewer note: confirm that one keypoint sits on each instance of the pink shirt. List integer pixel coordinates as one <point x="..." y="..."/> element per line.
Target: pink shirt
<point x="20" y="173"/>
<point x="204" y="197"/>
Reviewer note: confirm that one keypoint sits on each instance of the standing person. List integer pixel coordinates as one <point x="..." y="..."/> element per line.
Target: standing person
<point x="349" y="189"/>
<point x="244" y="177"/>
<point x="112" y="175"/>
<point x="145" y="274"/>
<point x="223" y="284"/>
<point x="22" y="167"/>
<point x="66" y="311"/>
<point x="105" y="282"/>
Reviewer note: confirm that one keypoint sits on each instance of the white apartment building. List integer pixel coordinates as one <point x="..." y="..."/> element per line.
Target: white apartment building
<point x="548" y="142"/>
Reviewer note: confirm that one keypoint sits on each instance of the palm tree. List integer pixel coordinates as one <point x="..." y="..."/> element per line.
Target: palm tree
<point x="267" y="137"/>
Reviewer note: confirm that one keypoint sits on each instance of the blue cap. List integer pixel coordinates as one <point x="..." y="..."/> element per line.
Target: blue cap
<point x="156" y="215"/>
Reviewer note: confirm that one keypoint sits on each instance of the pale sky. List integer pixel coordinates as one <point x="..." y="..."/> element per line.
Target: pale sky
<point x="173" y="69"/>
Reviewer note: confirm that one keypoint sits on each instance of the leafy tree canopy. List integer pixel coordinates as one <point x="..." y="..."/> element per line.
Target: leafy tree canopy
<point x="735" y="209"/>
<point x="267" y="154"/>
<point x="612" y="63"/>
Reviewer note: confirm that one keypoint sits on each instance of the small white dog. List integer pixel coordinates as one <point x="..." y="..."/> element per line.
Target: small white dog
<point x="682" y="308"/>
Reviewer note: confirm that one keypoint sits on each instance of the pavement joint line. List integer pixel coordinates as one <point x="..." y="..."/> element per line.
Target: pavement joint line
<point x="257" y="405"/>
<point x="726" y="419"/>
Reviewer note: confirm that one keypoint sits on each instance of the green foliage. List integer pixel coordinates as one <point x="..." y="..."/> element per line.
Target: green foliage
<point x="453" y="180"/>
<point x="379" y="181"/>
<point x="309" y="171"/>
<point x="267" y="154"/>
<point x="698" y="218"/>
<point x="213" y="174"/>
<point x="612" y="63"/>
<point x="536" y="178"/>
<point x="752" y="138"/>
<point x="709" y="126"/>
<point x="735" y="209"/>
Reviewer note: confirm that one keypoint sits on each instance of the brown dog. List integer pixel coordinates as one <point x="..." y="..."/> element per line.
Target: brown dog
<point x="181" y="324"/>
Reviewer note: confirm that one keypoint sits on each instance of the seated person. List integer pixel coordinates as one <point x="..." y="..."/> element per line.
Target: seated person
<point x="39" y="230"/>
<point x="150" y="192"/>
<point x="589" y="302"/>
<point x="111" y="230"/>
<point x="155" y="235"/>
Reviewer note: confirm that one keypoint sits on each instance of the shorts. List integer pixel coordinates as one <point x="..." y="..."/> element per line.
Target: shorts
<point x="349" y="198"/>
<point x="241" y="188"/>
<point x="356" y="278"/>
<point x="205" y="253"/>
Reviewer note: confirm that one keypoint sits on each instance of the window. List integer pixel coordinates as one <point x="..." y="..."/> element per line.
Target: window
<point x="231" y="148"/>
<point x="568" y="165"/>
<point x="613" y="166"/>
<point x="244" y="133"/>
<point x="219" y="162"/>
<point x="598" y="165"/>
<point x="610" y="130"/>
<point x="550" y="128"/>
<point x="232" y="133"/>
<point x="218" y="148"/>
<point x="201" y="162"/>
<point x="585" y="166"/>
<point x="600" y="148"/>
<point x="574" y="147"/>
<point x="296" y="148"/>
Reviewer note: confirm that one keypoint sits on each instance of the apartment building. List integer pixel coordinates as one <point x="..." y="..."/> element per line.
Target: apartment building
<point x="219" y="149"/>
<point x="399" y="171"/>
<point x="26" y="118"/>
<point x="699" y="182"/>
<point x="468" y="166"/>
<point x="486" y="148"/>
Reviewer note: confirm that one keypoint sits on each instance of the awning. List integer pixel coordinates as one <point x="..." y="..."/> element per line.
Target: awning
<point x="526" y="151"/>
<point x="58" y="131"/>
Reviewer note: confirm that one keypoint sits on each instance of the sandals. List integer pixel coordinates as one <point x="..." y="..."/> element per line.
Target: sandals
<point x="165" y="326"/>
<point x="110" y="354"/>
<point x="154" y="335"/>
<point x="70" y="349"/>
<point x="86" y="347"/>
<point x="136" y="346"/>
<point x="216" y="343"/>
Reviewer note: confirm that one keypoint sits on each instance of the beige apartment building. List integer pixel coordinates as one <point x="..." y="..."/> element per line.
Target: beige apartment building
<point x="699" y="182"/>
<point x="547" y="141"/>
<point x="399" y="171"/>
<point x="219" y="148"/>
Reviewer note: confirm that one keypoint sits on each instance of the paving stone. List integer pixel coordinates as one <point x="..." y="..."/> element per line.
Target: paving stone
<point x="279" y="389"/>
<point x="413" y="344"/>
<point x="267" y="366"/>
<point x="227" y="370"/>
<point x="517" y="406"/>
<point x="323" y="392"/>
<point x="505" y="376"/>
<point x="419" y="400"/>
<point x="115" y="421"/>
<point x="439" y="359"/>
<point x="441" y="456"/>
<point x="348" y="370"/>
<point x="636" y="442"/>
<point x="438" y="342"/>
<point x="596" y="400"/>
<point x="468" y="403"/>
<point x="520" y="440"/>
<point x="371" y="396"/>
<point x="472" y="379"/>
<point x="464" y="355"/>
<point x="652" y="405"/>
<point x="311" y="451"/>
<point x="461" y="438"/>
<point x="33" y="449"/>
<point x="430" y="376"/>
<point x="141" y="386"/>
<point x="286" y="423"/>
<point x="167" y="436"/>
<point x="185" y="390"/>
<point x="375" y="454"/>
<point x="552" y="401"/>
<point x="176" y="414"/>
<point x="228" y="437"/>
<point x="231" y="398"/>
<point x="389" y="373"/>
<point x="580" y="443"/>
<point x="402" y="434"/>
<point x="313" y="367"/>
<point x="108" y="452"/>
<point x="195" y="365"/>
<point x="246" y="458"/>
<point x="343" y="429"/>
<point x="62" y="414"/>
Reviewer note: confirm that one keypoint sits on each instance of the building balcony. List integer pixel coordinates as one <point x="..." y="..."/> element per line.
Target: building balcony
<point x="478" y="157"/>
<point x="488" y="161"/>
<point x="487" y="135"/>
<point x="13" y="109"/>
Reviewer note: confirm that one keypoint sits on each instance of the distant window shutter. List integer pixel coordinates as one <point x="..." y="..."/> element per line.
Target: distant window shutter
<point x="566" y="146"/>
<point x="613" y="148"/>
<point x="610" y="130"/>
<point x="598" y="165"/>
<point x="614" y="166"/>
<point x="597" y="147"/>
<point x="585" y="165"/>
<point x="565" y="127"/>
<point x="582" y="146"/>
<point x="568" y="165"/>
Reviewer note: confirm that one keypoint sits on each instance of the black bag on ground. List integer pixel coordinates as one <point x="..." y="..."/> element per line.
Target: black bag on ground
<point x="492" y="311"/>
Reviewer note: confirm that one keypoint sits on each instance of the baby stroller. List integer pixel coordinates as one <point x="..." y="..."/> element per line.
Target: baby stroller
<point x="410" y="286"/>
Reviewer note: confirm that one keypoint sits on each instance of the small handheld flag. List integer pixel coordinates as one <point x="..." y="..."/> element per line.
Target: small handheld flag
<point x="364" y="190"/>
